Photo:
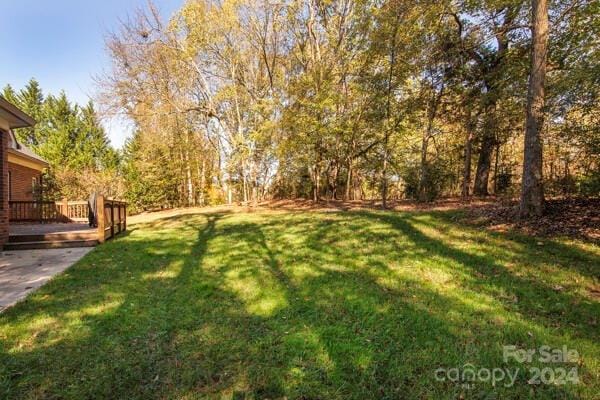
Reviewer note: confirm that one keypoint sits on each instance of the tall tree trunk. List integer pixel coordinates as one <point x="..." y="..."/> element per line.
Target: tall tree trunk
<point x="494" y="74"/>
<point x="427" y="135"/>
<point x="183" y="182"/>
<point x="202" y="182"/>
<point x="484" y="163"/>
<point x="328" y="185"/>
<point x="496" y="163"/>
<point x="388" y="114"/>
<point x="191" y="198"/>
<point x="188" y="171"/>
<point x="336" y="176"/>
<point x="532" y="191"/>
<point x="317" y="190"/>
<point x="566" y="179"/>
<point x="244" y="184"/>
<point x="348" y="180"/>
<point x="317" y="177"/>
<point x="466" y="182"/>
<point x="384" y="180"/>
<point x="482" y="174"/>
<point x="423" y="168"/>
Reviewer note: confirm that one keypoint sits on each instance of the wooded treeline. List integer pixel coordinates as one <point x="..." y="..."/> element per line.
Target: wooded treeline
<point x="71" y="138"/>
<point x="240" y="100"/>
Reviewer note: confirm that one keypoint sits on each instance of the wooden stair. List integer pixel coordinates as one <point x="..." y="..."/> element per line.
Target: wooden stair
<point x="51" y="240"/>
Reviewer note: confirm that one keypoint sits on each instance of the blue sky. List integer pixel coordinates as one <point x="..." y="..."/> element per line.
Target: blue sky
<point x="61" y="44"/>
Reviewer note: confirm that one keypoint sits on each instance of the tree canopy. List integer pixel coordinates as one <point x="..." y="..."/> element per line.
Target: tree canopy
<point x="238" y="100"/>
<point x="71" y="138"/>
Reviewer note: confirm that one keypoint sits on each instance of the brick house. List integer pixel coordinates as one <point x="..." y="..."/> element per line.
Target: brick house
<point x="20" y="168"/>
<point x="24" y="171"/>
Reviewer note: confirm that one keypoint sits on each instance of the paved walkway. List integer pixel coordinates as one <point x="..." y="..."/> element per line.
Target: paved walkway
<point x="23" y="271"/>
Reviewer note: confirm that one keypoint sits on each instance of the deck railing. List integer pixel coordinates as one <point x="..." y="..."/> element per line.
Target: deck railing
<point x="48" y="211"/>
<point x="111" y="215"/>
<point x="75" y="211"/>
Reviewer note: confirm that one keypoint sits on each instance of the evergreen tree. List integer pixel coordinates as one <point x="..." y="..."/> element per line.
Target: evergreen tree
<point x="72" y="140"/>
<point x="31" y="100"/>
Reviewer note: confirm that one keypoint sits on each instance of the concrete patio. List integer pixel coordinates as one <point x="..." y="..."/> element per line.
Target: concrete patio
<point x="23" y="271"/>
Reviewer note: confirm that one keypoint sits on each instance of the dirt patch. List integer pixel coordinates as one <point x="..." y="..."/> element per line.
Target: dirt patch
<point x="578" y="218"/>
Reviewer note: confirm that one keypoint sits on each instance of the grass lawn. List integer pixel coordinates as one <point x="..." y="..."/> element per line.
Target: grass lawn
<point x="306" y="305"/>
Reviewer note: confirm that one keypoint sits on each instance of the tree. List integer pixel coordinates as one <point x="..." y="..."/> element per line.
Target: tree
<point x="532" y="192"/>
<point x="31" y="100"/>
<point x="349" y="99"/>
<point x="71" y="139"/>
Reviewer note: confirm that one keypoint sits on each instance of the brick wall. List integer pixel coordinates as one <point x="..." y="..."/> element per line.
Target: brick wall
<point x="3" y="188"/>
<point x="21" y="187"/>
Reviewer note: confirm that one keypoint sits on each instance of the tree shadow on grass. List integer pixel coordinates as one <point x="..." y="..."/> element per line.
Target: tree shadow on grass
<point x="434" y="308"/>
<point x="252" y="306"/>
<point x="550" y="250"/>
<point x="532" y="295"/>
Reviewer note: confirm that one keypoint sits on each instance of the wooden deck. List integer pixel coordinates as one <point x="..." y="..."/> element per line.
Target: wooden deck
<point x="44" y="236"/>
<point x="39" y="229"/>
<point x="42" y="225"/>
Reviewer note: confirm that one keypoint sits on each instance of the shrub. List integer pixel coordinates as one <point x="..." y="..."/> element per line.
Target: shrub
<point x="437" y="180"/>
<point x="589" y="185"/>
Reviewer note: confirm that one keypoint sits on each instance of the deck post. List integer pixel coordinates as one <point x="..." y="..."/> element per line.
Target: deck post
<point x="65" y="210"/>
<point x="112" y="219"/>
<point x="100" y="217"/>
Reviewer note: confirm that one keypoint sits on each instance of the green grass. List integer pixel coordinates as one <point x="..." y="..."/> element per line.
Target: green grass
<point x="348" y="305"/>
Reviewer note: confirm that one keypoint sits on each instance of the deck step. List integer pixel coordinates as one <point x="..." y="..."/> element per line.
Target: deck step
<point x="50" y="244"/>
<point x="52" y="237"/>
